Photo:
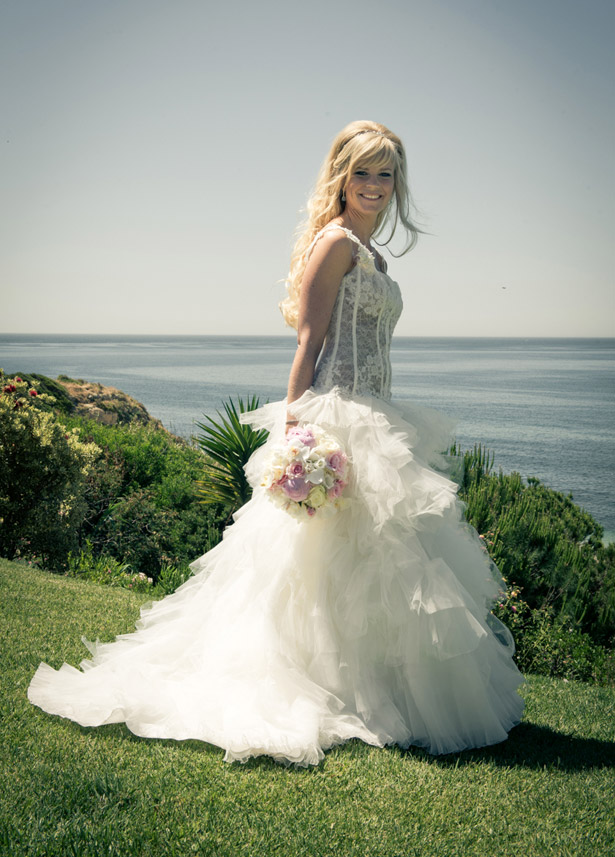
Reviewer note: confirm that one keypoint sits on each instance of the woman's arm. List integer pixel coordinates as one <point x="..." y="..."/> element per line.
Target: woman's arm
<point x="331" y="258"/>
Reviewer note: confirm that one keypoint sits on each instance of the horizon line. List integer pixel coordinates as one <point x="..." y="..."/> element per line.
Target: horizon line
<point x="291" y="335"/>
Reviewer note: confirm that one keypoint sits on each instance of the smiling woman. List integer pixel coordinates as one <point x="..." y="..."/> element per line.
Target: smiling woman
<point x="362" y="149"/>
<point x="369" y="616"/>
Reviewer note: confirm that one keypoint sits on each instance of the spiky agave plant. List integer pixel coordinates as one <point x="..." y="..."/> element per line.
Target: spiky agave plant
<point x="228" y="445"/>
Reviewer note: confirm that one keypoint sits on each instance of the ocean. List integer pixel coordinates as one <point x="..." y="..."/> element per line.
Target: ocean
<point x="545" y="407"/>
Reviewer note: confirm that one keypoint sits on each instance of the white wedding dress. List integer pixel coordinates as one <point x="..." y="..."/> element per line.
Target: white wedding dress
<point x="293" y="636"/>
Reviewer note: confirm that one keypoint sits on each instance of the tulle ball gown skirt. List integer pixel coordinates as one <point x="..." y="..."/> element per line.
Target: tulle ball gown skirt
<point x="293" y="636"/>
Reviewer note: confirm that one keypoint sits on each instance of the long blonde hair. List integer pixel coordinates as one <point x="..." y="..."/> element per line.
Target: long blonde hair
<point x="360" y="143"/>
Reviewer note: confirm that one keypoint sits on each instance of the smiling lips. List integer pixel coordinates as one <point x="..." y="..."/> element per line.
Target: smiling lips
<point x="370" y="196"/>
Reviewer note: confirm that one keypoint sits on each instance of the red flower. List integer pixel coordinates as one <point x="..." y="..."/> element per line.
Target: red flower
<point x="18" y="380"/>
<point x="33" y="392"/>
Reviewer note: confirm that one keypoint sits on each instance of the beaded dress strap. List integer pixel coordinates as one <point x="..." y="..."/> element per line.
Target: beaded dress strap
<point x="349" y="234"/>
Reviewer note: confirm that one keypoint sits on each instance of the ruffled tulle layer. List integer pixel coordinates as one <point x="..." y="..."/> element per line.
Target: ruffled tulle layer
<point x="294" y="636"/>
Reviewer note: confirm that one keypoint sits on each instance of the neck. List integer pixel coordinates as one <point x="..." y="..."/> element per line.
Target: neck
<point x="362" y="225"/>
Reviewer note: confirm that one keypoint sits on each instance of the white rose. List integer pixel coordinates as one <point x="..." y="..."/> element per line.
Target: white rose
<point x="317" y="497"/>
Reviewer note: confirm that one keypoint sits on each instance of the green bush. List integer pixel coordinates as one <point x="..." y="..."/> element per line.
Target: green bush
<point x="560" y="578"/>
<point x="107" y="570"/>
<point x="52" y="395"/>
<point x="142" y="502"/>
<point x="43" y="471"/>
<point x="171" y="577"/>
<point x="543" y="543"/>
<point x="551" y="645"/>
<point x="144" y="496"/>
<point x="135" y="529"/>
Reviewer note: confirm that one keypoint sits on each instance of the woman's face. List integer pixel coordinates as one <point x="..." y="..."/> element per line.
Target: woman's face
<point x="369" y="189"/>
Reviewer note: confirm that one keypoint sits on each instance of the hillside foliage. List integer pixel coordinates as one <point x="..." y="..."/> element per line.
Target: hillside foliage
<point x="544" y="544"/>
<point x="44" y="468"/>
<point x="560" y="577"/>
<point x="123" y="504"/>
<point x="73" y="488"/>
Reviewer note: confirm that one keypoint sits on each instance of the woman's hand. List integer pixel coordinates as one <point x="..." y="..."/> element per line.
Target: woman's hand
<point x="330" y="260"/>
<point x="290" y="423"/>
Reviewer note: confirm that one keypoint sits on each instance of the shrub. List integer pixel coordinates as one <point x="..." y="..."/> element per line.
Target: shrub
<point x="52" y="395"/>
<point x="142" y="501"/>
<point x="171" y="577"/>
<point x="43" y="468"/>
<point x="543" y="544"/>
<point x="228" y="444"/>
<point x="560" y="596"/>
<point x="135" y="529"/>
<point x="551" y="645"/>
<point x="105" y="569"/>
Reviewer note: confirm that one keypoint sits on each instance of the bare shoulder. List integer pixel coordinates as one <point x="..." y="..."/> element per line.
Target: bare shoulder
<point x="333" y="248"/>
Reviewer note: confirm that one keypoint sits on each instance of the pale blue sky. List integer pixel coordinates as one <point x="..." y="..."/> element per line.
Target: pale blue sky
<point x="156" y="155"/>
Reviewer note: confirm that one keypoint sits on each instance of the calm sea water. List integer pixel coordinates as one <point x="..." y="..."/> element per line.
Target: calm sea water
<point x="545" y="407"/>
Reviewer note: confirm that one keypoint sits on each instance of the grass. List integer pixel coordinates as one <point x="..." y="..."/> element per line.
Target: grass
<point x="65" y="790"/>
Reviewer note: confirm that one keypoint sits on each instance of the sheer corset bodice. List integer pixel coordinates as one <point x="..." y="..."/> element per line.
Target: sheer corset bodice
<point x="356" y="352"/>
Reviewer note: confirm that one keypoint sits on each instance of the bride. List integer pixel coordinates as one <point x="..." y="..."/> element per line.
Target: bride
<point x="373" y="622"/>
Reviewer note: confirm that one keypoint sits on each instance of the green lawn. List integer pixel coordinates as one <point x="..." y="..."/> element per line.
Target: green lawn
<point x="64" y="790"/>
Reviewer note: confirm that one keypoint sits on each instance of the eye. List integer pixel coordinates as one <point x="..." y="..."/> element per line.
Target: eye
<point x="386" y="174"/>
<point x="360" y="172"/>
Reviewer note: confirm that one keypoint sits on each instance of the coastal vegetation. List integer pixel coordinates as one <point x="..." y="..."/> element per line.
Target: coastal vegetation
<point x="84" y="494"/>
<point x="119" y="500"/>
<point x="43" y="470"/>
<point x="228" y="445"/>
<point x="560" y="577"/>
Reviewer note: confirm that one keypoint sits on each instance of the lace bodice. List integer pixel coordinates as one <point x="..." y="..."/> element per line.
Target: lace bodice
<point x="356" y="350"/>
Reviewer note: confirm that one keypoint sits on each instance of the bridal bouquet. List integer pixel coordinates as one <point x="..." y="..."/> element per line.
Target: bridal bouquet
<point x="306" y="473"/>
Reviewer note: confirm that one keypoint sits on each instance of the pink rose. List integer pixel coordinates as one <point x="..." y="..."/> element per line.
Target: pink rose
<point x="303" y="435"/>
<point x="335" y="490"/>
<point x="295" y="469"/>
<point x="296" y="488"/>
<point x="337" y="461"/>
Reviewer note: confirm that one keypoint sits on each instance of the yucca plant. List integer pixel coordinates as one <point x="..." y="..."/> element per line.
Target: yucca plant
<point x="228" y="445"/>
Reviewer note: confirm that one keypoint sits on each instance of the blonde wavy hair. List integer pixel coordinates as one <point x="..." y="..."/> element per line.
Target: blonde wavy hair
<point x="360" y="144"/>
